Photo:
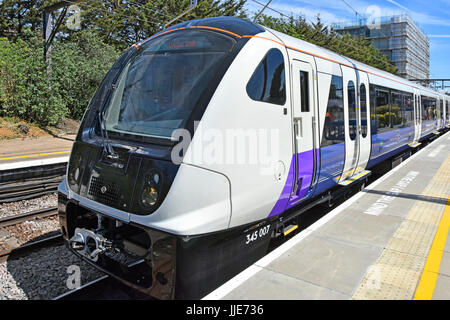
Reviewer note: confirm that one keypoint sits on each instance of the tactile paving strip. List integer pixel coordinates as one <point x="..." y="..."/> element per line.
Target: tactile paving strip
<point x="397" y="271"/>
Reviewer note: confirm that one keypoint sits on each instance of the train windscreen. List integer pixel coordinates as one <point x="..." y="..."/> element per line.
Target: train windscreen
<point x="159" y="88"/>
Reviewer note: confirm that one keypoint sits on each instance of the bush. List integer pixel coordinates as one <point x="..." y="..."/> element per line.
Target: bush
<point x="28" y="92"/>
<point x="25" y="90"/>
<point x="78" y="67"/>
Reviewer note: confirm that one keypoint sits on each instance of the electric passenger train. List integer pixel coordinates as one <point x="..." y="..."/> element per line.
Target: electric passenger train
<point x="179" y="229"/>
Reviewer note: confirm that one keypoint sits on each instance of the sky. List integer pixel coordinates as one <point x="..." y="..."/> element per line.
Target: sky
<point x="432" y="17"/>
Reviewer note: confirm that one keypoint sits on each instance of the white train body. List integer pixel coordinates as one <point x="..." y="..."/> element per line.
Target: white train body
<point x="286" y="124"/>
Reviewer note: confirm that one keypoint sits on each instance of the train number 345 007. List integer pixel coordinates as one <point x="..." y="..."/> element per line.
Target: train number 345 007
<point x="257" y="234"/>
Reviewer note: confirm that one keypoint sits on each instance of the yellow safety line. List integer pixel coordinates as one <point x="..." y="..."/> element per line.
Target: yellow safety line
<point x="346" y="182"/>
<point x="290" y="230"/>
<point x="34" y="155"/>
<point x="429" y="276"/>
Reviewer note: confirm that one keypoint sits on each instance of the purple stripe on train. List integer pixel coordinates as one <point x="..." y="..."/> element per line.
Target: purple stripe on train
<point x="306" y="167"/>
<point x="330" y="166"/>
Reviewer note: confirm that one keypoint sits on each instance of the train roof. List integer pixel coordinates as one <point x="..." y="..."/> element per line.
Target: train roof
<point x="376" y="75"/>
<point x="243" y="27"/>
<point x="235" y="25"/>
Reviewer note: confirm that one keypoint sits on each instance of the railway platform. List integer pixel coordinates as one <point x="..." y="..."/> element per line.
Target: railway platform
<point x="389" y="241"/>
<point x="18" y="153"/>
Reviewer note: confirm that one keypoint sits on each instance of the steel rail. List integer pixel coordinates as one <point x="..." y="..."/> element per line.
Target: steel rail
<point x="22" y="217"/>
<point x="79" y="293"/>
<point x="30" y="246"/>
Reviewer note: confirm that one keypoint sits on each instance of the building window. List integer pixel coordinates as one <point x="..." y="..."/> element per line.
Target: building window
<point x="267" y="83"/>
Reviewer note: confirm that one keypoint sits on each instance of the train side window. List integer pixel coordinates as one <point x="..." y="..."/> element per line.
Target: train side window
<point x="416" y="109"/>
<point x="382" y="109"/>
<point x="429" y="108"/>
<point x="408" y="110"/>
<point x="396" y="110"/>
<point x="447" y="111"/>
<point x="434" y="108"/>
<point x="423" y="105"/>
<point x="333" y="129"/>
<point x="363" y="101"/>
<point x="267" y="83"/>
<point x="373" y="116"/>
<point x="304" y="91"/>
<point x="352" y="110"/>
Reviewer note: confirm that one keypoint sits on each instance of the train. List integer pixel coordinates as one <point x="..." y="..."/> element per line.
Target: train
<point x="209" y="140"/>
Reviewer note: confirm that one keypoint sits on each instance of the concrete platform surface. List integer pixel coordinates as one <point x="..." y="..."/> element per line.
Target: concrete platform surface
<point x="19" y="150"/>
<point x="387" y="242"/>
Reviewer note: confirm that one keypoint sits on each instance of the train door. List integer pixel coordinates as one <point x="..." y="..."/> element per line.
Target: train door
<point x="304" y="87"/>
<point x="355" y="153"/>
<point x="417" y="118"/>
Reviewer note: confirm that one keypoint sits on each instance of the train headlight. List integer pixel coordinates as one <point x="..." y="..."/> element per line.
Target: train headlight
<point x="149" y="196"/>
<point x="151" y="189"/>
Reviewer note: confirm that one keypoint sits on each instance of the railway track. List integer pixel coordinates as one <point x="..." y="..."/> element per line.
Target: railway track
<point x="33" y="244"/>
<point x="16" y="219"/>
<point x="26" y="183"/>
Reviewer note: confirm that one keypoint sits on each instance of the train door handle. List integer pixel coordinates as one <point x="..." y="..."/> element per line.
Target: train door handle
<point x="298" y="128"/>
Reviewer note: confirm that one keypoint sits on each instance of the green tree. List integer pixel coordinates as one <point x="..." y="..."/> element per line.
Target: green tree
<point x="19" y="15"/>
<point x="78" y="67"/>
<point x="25" y="91"/>
<point x="122" y="23"/>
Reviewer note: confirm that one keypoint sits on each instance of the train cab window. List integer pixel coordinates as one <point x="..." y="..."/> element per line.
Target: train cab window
<point x="363" y="102"/>
<point x="353" y="126"/>
<point x="159" y="89"/>
<point x="304" y="91"/>
<point x="267" y="83"/>
<point x="333" y="129"/>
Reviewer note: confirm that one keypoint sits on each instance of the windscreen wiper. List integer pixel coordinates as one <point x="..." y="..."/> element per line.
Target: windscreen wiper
<point x="108" y="149"/>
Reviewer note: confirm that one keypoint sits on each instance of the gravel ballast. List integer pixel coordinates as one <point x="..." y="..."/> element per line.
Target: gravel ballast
<point x="18" y="207"/>
<point x="43" y="274"/>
